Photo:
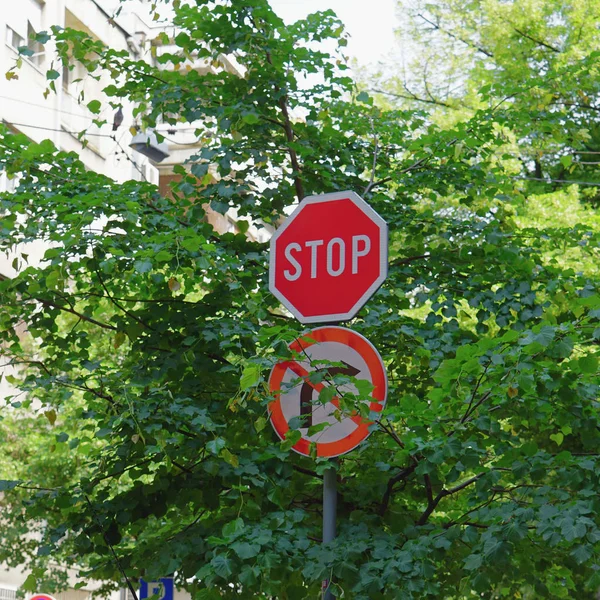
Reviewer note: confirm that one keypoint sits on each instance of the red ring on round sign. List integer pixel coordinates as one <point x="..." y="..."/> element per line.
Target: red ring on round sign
<point x="374" y="362"/>
<point x="42" y="597"/>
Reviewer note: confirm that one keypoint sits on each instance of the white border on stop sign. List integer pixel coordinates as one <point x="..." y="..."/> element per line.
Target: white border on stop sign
<point x="383" y="256"/>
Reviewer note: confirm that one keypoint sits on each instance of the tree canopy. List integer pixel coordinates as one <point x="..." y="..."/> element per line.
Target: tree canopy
<point x="141" y="444"/>
<point x="539" y="58"/>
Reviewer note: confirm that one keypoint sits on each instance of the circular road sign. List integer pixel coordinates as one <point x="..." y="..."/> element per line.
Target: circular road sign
<point x="297" y="396"/>
<point x="328" y="257"/>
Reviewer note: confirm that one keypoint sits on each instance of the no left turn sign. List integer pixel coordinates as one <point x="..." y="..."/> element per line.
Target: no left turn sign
<point x="297" y="396"/>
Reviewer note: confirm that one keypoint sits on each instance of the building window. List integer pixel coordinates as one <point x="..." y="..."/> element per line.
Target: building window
<point x="72" y="72"/>
<point x="35" y="50"/>
<point x="66" y="76"/>
<point x="7" y="184"/>
<point x="37" y="58"/>
<point x="6" y="594"/>
<point x="13" y="39"/>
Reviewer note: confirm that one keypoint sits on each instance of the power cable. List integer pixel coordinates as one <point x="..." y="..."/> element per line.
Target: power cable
<point x="131" y="160"/>
<point x="196" y="143"/>
<point x="65" y="112"/>
<point x="77" y="133"/>
<point x="95" y="134"/>
<point x="590" y="183"/>
<point x="59" y="130"/>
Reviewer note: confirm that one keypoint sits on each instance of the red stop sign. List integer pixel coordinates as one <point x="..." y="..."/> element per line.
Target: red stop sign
<point x="328" y="258"/>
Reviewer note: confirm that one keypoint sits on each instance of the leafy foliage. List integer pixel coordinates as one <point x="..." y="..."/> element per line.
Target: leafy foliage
<point x="537" y="60"/>
<point x="143" y="428"/>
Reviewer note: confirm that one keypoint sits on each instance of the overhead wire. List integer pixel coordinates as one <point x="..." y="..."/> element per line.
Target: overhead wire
<point x="549" y="180"/>
<point x="132" y="161"/>
<point x="59" y="110"/>
<point x="65" y="112"/>
<point x="54" y="129"/>
<point x="118" y="143"/>
<point x="178" y="143"/>
<point x="76" y="133"/>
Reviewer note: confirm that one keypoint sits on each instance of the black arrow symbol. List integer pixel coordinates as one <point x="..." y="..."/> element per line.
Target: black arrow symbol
<point x="306" y="392"/>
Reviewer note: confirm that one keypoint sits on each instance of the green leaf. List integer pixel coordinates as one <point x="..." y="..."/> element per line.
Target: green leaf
<point x="94" y="106"/>
<point x="582" y="553"/>
<point x="260" y="424"/>
<point x="327" y="394"/>
<point x="566" y="161"/>
<point x="142" y="266"/>
<point x="250" y="376"/>
<point x="588" y="364"/>
<point x="51" y="74"/>
<point x="192" y="244"/>
<point x="233" y="528"/>
<point x="572" y="530"/>
<point x="229" y="457"/>
<point x="362" y="97"/>
<point x="30" y="584"/>
<point x="245" y="550"/>
<point x="163" y="256"/>
<point x="51" y="416"/>
<point x="215" y="446"/>
<point x="221" y="565"/>
<point x="249" y="575"/>
<point x="364" y="388"/>
<point x="251" y="118"/>
<point x="7" y="484"/>
<point x="473" y="562"/>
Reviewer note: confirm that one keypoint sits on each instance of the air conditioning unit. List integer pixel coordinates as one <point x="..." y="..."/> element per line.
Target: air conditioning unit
<point x="148" y="145"/>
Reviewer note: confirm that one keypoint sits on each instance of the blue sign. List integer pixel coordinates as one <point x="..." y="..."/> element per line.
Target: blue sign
<point x="160" y="590"/>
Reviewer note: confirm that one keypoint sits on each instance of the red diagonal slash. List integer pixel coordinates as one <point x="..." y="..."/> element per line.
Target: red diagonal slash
<point x="299" y="370"/>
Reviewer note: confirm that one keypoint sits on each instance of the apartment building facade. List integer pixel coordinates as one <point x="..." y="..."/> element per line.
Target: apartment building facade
<point x="63" y="116"/>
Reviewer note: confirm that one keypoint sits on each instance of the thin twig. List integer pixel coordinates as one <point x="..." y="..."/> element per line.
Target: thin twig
<point x="475" y="390"/>
<point x="112" y="550"/>
<point x="375" y="153"/>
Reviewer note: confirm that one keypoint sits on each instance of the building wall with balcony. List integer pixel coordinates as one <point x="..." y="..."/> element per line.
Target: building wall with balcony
<point x="61" y="116"/>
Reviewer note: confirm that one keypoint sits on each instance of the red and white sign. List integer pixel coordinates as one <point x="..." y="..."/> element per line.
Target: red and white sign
<point x="41" y="597"/>
<point x="328" y="258"/>
<point x="297" y="397"/>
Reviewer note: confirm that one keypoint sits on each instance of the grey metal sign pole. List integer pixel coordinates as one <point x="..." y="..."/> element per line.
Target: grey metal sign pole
<point x="329" y="514"/>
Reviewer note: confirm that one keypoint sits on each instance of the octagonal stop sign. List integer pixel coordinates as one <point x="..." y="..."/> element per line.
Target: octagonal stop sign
<point x="328" y="257"/>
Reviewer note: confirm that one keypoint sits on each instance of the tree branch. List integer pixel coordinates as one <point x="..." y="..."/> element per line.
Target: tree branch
<point x="121" y="308"/>
<point x="49" y="303"/>
<point x="306" y="471"/>
<point x="401" y="476"/>
<point x="411" y="96"/>
<point x="428" y="489"/>
<point x="438" y="27"/>
<point x="375" y="153"/>
<point x="289" y="135"/>
<point x="536" y="41"/>
<point x="390" y="431"/>
<point x="433" y="502"/>
<point x="479" y="380"/>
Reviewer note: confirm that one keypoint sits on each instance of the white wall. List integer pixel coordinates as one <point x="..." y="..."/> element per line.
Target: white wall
<point x="22" y="101"/>
<point x="62" y="114"/>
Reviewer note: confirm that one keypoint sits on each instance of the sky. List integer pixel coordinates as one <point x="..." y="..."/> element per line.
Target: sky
<point x="370" y="23"/>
